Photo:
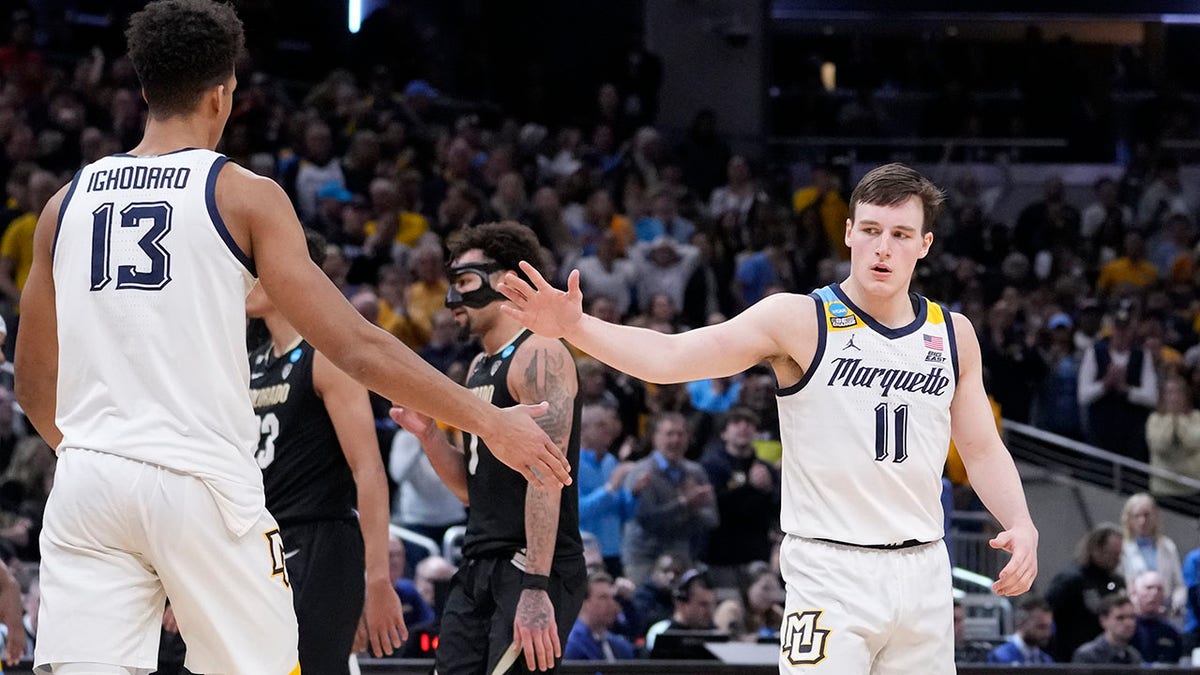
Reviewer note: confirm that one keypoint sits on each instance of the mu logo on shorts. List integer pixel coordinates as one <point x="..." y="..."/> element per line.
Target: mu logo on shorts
<point x="278" y="559"/>
<point x="803" y="641"/>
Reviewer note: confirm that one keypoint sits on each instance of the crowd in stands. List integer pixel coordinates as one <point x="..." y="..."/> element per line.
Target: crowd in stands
<point x="1088" y="317"/>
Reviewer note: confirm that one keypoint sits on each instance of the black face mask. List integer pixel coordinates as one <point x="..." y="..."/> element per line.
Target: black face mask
<point x="476" y="298"/>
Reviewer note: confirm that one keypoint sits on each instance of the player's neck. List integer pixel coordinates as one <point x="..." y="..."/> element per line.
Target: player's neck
<point x="173" y="133"/>
<point x="283" y="335"/>
<point x="893" y="310"/>
<point x="501" y="334"/>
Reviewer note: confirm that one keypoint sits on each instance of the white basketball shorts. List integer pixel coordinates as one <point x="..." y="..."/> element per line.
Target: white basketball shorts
<point x="862" y="611"/>
<point x="120" y="537"/>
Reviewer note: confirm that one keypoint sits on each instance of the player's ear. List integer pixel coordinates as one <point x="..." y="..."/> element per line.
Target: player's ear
<point x="849" y="227"/>
<point x="926" y="242"/>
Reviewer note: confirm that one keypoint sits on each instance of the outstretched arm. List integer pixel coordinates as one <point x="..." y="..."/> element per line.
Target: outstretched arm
<point x="36" y="364"/>
<point x="721" y="350"/>
<point x="311" y="303"/>
<point x="542" y="370"/>
<point x="990" y="466"/>
<point x="349" y="408"/>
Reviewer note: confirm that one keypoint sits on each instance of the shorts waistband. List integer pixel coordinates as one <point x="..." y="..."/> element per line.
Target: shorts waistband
<point x="908" y="543"/>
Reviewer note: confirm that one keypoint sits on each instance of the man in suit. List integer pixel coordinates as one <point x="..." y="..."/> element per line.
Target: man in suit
<point x="590" y="639"/>
<point x="1035" y="623"/>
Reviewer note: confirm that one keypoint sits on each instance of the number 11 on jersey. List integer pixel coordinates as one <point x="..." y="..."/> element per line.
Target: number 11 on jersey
<point x="900" y="426"/>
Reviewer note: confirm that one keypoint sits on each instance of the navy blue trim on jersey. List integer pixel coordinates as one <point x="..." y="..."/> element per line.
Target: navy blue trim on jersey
<point x="62" y="208"/>
<point x="890" y="333"/>
<point x="210" y="199"/>
<point x="953" y="341"/>
<point x="822" y="331"/>
<point x="126" y="154"/>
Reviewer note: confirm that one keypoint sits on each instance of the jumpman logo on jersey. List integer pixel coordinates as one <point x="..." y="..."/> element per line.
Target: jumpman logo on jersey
<point x="850" y="343"/>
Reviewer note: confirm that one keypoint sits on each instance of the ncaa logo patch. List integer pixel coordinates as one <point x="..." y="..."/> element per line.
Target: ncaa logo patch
<point x="838" y="309"/>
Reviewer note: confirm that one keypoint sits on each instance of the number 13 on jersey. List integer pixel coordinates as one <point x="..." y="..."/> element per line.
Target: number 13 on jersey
<point x="155" y="217"/>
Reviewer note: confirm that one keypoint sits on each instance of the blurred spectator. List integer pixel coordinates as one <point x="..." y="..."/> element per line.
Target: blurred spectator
<point x="1172" y="247"/>
<point x="1118" y="388"/>
<point x="590" y="639"/>
<point x="663" y="266"/>
<point x="604" y="501"/>
<point x="762" y="598"/>
<point x="1014" y="366"/>
<point x="395" y="223"/>
<point x="664" y="220"/>
<point x="393" y="308"/>
<point x="316" y="167"/>
<point x="1154" y="638"/>
<point x="1112" y="646"/>
<point x="735" y="204"/>
<point x="422" y="502"/>
<point x="1146" y="548"/>
<point x="825" y="195"/>
<point x="606" y="274"/>
<point x="694" y="603"/>
<point x="1130" y="272"/>
<point x="1045" y="225"/>
<point x="1035" y="625"/>
<point x="1166" y="195"/>
<point x="1173" y="436"/>
<point x="1056" y="408"/>
<point x="427" y="292"/>
<point x="1104" y="223"/>
<point x="444" y="348"/>
<point x="675" y="508"/>
<point x="747" y="492"/>
<point x="652" y="598"/>
<point x="16" y="247"/>
<point x="431" y="572"/>
<point x="1075" y="595"/>
<point x="715" y="396"/>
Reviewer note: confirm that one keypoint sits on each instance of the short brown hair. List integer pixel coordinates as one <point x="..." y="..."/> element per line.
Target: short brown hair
<point x="893" y="184"/>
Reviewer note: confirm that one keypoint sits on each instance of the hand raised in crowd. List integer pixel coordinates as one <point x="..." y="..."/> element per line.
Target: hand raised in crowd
<point x="760" y="477"/>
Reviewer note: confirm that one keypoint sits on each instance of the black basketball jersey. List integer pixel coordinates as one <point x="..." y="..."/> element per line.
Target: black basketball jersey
<point x="496" y="519"/>
<point x="305" y="474"/>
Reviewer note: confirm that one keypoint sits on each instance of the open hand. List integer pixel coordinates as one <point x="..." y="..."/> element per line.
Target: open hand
<point x="383" y="619"/>
<point x="1018" y="575"/>
<point x="535" y="632"/>
<point x="541" y="307"/>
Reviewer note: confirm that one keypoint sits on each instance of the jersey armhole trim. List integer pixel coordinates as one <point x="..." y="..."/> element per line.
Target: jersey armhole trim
<point x="952" y="340"/>
<point x="210" y="200"/>
<point x="817" y="356"/>
<point x="62" y="209"/>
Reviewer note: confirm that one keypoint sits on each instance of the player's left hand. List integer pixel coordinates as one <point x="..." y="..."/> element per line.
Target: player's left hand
<point x="382" y="625"/>
<point x="534" y="630"/>
<point x="1018" y="575"/>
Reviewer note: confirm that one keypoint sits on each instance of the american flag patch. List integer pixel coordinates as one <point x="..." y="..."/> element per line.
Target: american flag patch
<point x="932" y="341"/>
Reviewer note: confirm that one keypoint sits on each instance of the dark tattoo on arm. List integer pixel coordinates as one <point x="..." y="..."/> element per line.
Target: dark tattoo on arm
<point x="546" y="380"/>
<point x="549" y="377"/>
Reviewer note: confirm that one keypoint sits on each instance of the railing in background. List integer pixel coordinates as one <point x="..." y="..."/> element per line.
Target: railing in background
<point x="1093" y="465"/>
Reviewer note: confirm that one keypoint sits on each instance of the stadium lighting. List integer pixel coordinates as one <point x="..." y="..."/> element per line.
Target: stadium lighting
<point x="354" y="16"/>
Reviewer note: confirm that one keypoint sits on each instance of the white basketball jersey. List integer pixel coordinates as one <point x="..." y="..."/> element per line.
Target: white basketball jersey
<point x="151" y="294"/>
<point x="866" y="431"/>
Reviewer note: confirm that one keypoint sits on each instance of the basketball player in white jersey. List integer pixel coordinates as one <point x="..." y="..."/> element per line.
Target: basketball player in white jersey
<point x="132" y="363"/>
<point x="873" y="383"/>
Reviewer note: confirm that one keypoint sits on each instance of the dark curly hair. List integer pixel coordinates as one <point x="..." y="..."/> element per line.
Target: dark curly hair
<point x="180" y="48"/>
<point x="506" y="242"/>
